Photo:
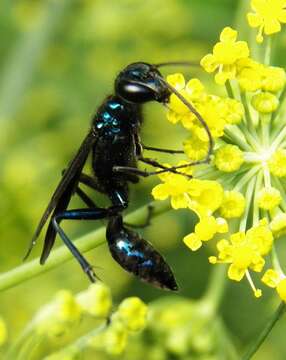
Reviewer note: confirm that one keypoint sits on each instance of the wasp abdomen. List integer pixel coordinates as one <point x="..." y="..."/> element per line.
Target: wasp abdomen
<point x="137" y="256"/>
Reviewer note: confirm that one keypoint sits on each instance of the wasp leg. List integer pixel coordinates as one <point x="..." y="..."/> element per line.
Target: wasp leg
<point x="145" y="173"/>
<point x="78" y="214"/>
<point x="169" y="151"/>
<point x="85" y="198"/>
<point x="147" y="221"/>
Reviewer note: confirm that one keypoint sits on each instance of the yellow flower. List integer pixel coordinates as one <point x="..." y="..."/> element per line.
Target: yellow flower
<point x="242" y="255"/>
<point x="278" y="225"/>
<point x="225" y="55"/>
<point x="96" y="301"/>
<point x="195" y="148"/>
<point x="277" y="163"/>
<point x="265" y="102"/>
<point x="205" y="196"/>
<point x="273" y="79"/>
<point x="234" y="111"/>
<point x="249" y="75"/>
<point x="115" y="338"/>
<point x="132" y="312"/>
<point x="268" y="198"/>
<point x="261" y="236"/>
<point x="205" y="230"/>
<point x="233" y="204"/>
<point x="267" y="16"/>
<point x="228" y="158"/>
<point x="276" y="280"/>
<point x="174" y="186"/>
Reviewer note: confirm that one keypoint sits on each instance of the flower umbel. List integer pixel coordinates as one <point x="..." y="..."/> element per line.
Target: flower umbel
<point x="241" y="193"/>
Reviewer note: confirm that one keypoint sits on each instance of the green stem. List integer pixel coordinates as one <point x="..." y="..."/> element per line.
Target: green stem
<point x="275" y="260"/>
<point x="62" y="254"/>
<point x="248" y="117"/>
<point x="246" y="178"/>
<point x="232" y="133"/>
<point x="215" y="289"/>
<point x="248" y="197"/>
<point x="255" y="198"/>
<point x="267" y="54"/>
<point x="266" y="331"/>
<point x="229" y="90"/>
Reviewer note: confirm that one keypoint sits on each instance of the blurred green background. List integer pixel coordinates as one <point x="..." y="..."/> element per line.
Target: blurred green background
<point x="58" y="61"/>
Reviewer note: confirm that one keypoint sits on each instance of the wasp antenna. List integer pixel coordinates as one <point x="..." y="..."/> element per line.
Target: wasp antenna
<point x="200" y="119"/>
<point x="178" y="63"/>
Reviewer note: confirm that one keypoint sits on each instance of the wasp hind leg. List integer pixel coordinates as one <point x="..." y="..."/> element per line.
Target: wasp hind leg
<point x="78" y="214"/>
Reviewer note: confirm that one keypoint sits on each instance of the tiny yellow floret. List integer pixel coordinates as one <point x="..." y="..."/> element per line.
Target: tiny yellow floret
<point x="268" y="198"/>
<point x="225" y="55"/>
<point x="96" y="301"/>
<point x="277" y="163"/>
<point x="265" y="102"/>
<point x="133" y="313"/>
<point x="228" y="158"/>
<point x="233" y="204"/>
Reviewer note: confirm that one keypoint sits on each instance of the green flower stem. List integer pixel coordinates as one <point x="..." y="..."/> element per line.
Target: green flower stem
<point x="251" y="138"/>
<point x="265" y="122"/>
<point x="248" y="117"/>
<point x="235" y="137"/>
<point x="62" y="254"/>
<point x="246" y="178"/>
<point x="267" y="177"/>
<point x="259" y="178"/>
<point x="280" y="105"/>
<point x="265" y="332"/>
<point x="279" y="139"/>
<point x="275" y="260"/>
<point x="248" y="198"/>
<point x="280" y="187"/>
<point x="215" y="289"/>
<point x="267" y="51"/>
<point x="229" y="90"/>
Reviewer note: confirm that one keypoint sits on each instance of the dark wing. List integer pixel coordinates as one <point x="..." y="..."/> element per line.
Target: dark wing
<point x="72" y="172"/>
<point x="62" y="205"/>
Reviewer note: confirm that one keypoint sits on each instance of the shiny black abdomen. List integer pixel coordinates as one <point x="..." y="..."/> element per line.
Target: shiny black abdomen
<point x="117" y="124"/>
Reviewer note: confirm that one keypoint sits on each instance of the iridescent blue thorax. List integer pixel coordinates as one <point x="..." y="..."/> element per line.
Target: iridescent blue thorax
<point x="115" y="116"/>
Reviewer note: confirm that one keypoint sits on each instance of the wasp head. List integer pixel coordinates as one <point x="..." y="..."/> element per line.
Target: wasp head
<point x="141" y="82"/>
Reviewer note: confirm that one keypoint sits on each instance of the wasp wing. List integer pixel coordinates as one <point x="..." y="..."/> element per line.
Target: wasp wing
<point x="69" y="177"/>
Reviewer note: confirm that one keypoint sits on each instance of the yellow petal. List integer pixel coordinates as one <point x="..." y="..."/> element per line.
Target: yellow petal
<point x="235" y="273"/>
<point x="192" y="241"/>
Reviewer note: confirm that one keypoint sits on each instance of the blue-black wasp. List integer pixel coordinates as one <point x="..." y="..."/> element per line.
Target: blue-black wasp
<point x="115" y="146"/>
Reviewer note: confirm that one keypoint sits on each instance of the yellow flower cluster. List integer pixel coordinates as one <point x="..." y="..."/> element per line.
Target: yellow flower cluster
<point x="66" y="311"/>
<point x="267" y="16"/>
<point x="241" y="192"/>
<point x="130" y="317"/>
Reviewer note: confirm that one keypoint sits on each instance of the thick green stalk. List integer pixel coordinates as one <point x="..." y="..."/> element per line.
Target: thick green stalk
<point x="266" y="331"/>
<point x="62" y="254"/>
